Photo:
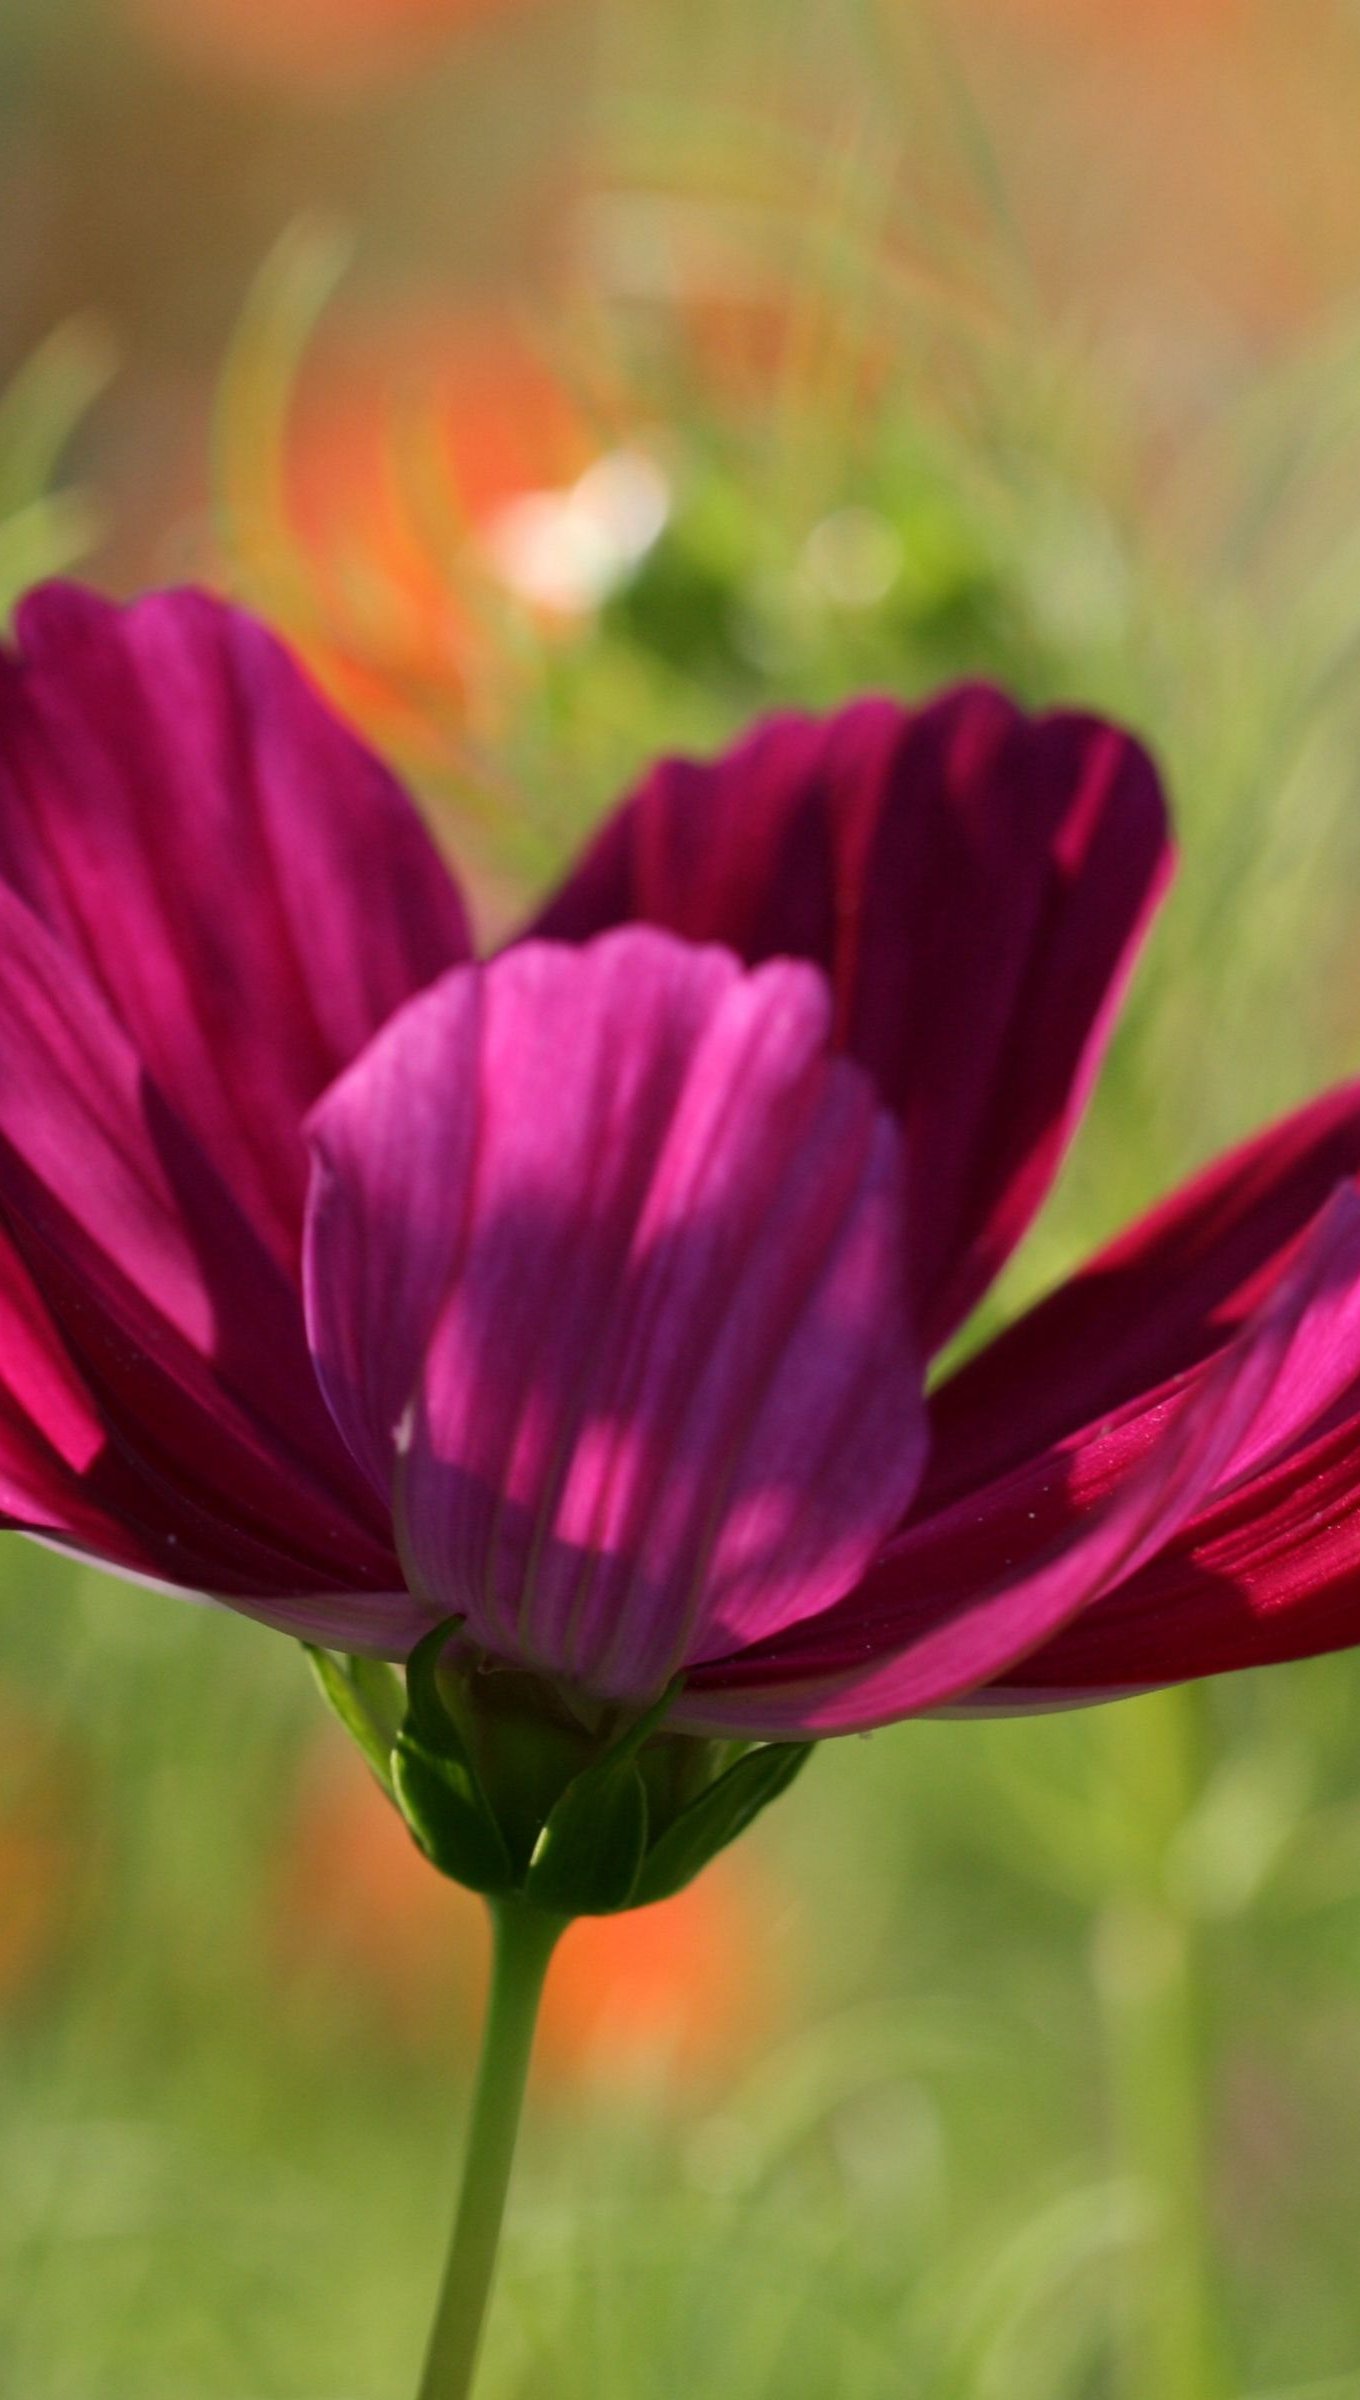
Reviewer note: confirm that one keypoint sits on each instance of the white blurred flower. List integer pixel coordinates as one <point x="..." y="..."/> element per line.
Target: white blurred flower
<point x="568" y="550"/>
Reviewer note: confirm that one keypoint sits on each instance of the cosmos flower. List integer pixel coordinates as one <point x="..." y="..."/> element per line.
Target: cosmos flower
<point x="586" y="1294"/>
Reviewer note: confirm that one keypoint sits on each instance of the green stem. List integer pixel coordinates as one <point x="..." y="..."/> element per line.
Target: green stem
<point x="525" y="1938"/>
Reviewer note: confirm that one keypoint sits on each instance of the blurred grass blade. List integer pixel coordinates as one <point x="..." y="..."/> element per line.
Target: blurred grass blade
<point x="43" y="531"/>
<point x="254" y="403"/>
<point x="43" y="539"/>
<point x="43" y="404"/>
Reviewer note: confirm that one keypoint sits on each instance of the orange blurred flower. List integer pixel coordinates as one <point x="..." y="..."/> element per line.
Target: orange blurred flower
<point x="683" y="1987"/>
<point x="425" y="501"/>
<point x="317" y="46"/>
<point x="358" y="528"/>
<point x="497" y="417"/>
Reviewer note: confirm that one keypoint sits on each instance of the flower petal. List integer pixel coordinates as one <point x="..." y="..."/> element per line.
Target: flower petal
<point x="974" y="882"/>
<point x="1167" y="1293"/>
<point x="64" y="1478"/>
<point x="1267" y="1569"/>
<point x="157" y="1353"/>
<point x="962" y="1597"/>
<point x="250" y="890"/>
<point x="50" y="1430"/>
<point x="617" y="1246"/>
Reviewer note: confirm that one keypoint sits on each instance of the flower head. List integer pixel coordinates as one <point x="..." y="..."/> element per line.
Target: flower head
<point x="584" y="1295"/>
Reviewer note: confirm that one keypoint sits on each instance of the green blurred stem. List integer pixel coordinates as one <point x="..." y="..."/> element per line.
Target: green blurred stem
<point x="1170" y="2339"/>
<point x="525" y="1938"/>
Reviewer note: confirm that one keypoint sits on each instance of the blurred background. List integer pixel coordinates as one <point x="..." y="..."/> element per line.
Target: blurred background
<point x="572" y="379"/>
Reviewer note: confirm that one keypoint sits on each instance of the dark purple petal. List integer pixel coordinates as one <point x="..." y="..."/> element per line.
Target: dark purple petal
<point x="974" y="882"/>
<point x="1166" y="1294"/>
<point x="962" y="1597"/>
<point x="1268" y="1569"/>
<point x="1269" y="1575"/>
<point x="157" y="1355"/>
<point x="251" y="892"/>
<point x="604" y="1257"/>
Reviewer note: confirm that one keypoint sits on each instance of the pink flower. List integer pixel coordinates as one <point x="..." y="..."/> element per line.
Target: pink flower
<point x="601" y="1321"/>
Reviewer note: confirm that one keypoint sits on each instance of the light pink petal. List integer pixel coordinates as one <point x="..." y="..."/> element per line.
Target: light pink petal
<point x="157" y="1352"/>
<point x="640" y="1335"/>
<point x="974" y="882"/>
<point x="1167" y="1293"/>
<point x="250" y="891"/>
<point x="959" y="1600"/>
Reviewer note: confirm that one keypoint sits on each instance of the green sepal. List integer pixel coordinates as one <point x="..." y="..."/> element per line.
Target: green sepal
<point x="427" y="1715"/>
<point x="444" y="1805"/>
<point x="588" y="1857"/>
<point x="716" y="1818"/>
<point x="436" y="1785"/>
<point x="351" y="1688"/>
<point x="382" y="1692"/>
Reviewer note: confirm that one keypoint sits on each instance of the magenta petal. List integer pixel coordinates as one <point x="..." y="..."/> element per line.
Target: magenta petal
<point x="1167" y="1293"/>
<point x="1317" y="1371"/>
<point x="394" y="1151"/>
<point x="1267" y="1569"/>
<point x="639" y="1333"/>
<point x="250" y="890"/>
<point x="180" y="1338"/>
<point x="1269" y="1573"/>
<point x="974" y="882"/>
<point x="50" y="1430"/>
<point x="62" y="1477"/>
<point x="960" y="1598"/>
